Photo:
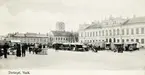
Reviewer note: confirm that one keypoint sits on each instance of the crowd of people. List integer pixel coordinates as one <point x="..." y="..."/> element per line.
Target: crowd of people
<point x="21" y="49"/>
<point x="36" y="48"/>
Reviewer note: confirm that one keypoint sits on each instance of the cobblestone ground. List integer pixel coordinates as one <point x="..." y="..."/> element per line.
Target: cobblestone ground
<point x="103" y="60"/>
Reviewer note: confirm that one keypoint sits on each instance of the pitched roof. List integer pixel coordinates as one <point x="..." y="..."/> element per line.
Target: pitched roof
<point x="36" y="35"/>
<point x="19" y="35"/>
<point x="124" y="22"/>
<point x="136" y="20"/>
<point x="61" y="33"/>
<point x="93" y="27"/>
<point x="29" y="35"/>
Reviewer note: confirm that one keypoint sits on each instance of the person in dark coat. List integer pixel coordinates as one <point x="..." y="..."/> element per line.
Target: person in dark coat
<point x="24" y="47"/>
<point x="56" y="47"/>
<point x="120" y="49"/>
<point x="5" y="47"/>
<point x="18" y="50"/>
<point x="1" y="53"/>
<point x="40" y="48"/>
<point x="30" y="48"/>
<point x="28" y="45"/>
<point x="43" y="46"/>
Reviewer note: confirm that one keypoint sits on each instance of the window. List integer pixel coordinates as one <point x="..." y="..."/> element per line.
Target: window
<point x="85" y="34"/>
<point x="127" y="40"/>
<point x="117" y="31"/>
<point x="96" y="33"/>
<point x="137" y="40"/>
<point x="113" y="31"/>
<point x="106" y="40"/>
<point x="110" y="40"/>
<point x="103" y="33"/>
<point x="122" y="40"/>
<point x="90" y="40"/>
<point x="114" y="40"/>
<point x="132" y="40"/>
<point x="122" y="31"/>
<point x="132" y="31"/>
<point x="127" y="31"/>
<point x="106" y="33"/>
<point x="99" y="33"/>
<point x="90" y="34"/>
<point x="142" y="30"/>
<point x="117" y="40"/>
<point x="110" y="32"/>
<point x="142" y="41"/>
<point x="93" y="34"/>
<point x="137" y="30"/>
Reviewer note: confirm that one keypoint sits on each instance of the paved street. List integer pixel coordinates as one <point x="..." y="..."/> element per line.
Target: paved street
<point x="103" y="60"/>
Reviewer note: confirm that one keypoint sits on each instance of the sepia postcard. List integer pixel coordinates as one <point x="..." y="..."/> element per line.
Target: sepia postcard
<point x="72" y="37"/>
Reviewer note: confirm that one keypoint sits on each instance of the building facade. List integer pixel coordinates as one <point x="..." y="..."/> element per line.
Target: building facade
<point x="117" y="30"/>
<point x="30" y="38"/>
<point x="61" y="36"/>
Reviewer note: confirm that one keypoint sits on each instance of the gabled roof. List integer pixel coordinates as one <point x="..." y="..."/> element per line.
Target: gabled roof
<point x="29" y="35"/>
<point x="93" y="27"/>
<point x="61" y="33"/>
<point x="36" y="35"/>
<point x="131" y="21"/>
<point x="19" y="35"/>
<point x="136" y="20"/>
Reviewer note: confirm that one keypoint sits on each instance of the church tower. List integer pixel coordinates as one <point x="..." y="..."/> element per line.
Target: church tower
<point x="60" y="26"/>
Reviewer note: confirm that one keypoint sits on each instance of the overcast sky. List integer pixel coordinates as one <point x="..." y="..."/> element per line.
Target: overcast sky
<point x="42" y="15"/>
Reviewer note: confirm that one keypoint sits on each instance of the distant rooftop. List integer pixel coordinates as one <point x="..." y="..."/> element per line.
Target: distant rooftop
<point x="136" y="20"/>
<point x="117" y="21"/>
<point x="28" y="35"/>
<point x="61" y="33"/>
<point x="94" y="27"/>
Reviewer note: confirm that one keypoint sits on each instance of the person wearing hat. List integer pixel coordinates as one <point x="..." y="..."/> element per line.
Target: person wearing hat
<point x="5" y="47"/>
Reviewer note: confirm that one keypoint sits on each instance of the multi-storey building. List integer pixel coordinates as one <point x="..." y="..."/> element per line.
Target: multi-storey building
<point x="116" y="30"/>
<point x="30" y="38"/>
<point x="61" y="36"/>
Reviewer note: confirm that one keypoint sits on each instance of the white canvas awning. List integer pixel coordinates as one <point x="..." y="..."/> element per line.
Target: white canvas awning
<point x="15" y="41"/>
